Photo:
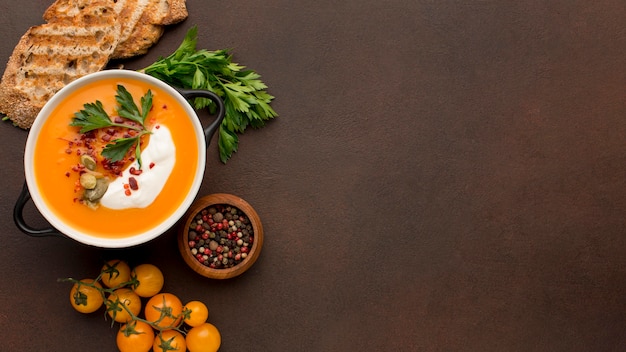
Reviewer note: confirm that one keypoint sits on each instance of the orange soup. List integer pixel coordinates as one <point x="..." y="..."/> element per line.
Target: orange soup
<point x="53" y="161"/>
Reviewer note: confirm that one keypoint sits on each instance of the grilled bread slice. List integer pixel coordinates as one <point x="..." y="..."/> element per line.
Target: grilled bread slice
<point x="80" y="37"/>
<point x="138" y="41"/>
<point x="138" y="34"/>
<point x="50" y="55"/>
<point x="141" y="21"/>
<point x="144" y="22"/>
<point x="169" y="12"/>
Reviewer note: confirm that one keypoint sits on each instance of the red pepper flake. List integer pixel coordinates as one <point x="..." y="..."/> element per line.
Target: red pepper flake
<point x="67" y="174"/>
<point x="127" y="192"/>
<point x="68" y="151"/>
<point x="151" y="165"/>
<point x="133" y="183"/>
<point x="157" y="126"/>
<point x="164" y="106"/>
<point x="134" y="171"/>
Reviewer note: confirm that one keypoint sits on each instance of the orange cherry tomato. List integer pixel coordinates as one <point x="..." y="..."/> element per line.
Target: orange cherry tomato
<point x="115" y="273"/>
<point x="150" y="280"/>
<point x="135" y="336"/>
<point x="203" y="338"/>
<point x="195" y="313"/>
<point x="86" y="299"/>
<point x="123" y="297"/>
<point x="169" y="340"/>
<point x="164" y="310"/>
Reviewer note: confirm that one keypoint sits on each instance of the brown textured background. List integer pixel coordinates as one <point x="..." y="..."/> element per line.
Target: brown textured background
<point x="443" y="176"/>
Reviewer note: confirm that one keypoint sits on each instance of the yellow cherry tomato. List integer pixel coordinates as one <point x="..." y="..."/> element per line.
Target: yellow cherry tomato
<point x="86" y="299"/>
<point x="123" y="297"/>
<point x="150" y="280"/>
<point x="114" y="273"/>
<point x="203" y="338"/>
<point x="135" y="336"/>
<point x="164" y="310"/>
<point x="195" y="313"/>
<point x="169" y="340"/>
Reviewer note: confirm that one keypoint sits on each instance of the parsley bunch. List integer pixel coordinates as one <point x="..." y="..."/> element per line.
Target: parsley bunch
<point x="245" y="98"/>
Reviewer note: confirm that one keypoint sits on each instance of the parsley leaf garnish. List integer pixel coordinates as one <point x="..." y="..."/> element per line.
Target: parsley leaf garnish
<point x="127" y="107"/>
<point x="245" y="98"/>
<point x="117" y="149"/>
<point x="93" y="117"/>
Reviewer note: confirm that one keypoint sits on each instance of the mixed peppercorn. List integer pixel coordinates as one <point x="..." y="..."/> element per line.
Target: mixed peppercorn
<point x="220" y="236"/>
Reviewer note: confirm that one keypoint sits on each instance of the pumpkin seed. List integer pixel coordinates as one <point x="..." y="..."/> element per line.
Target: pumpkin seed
<point x="88" y="181"/>
<point x="93" y="195"/>
<point x="88" y="161"/>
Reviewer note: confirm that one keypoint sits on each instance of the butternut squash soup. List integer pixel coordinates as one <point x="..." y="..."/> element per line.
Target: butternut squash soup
<point x="139" y="197"/>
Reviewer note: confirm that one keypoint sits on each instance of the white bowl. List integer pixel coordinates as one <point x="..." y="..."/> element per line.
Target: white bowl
<point x="202" y="135"/>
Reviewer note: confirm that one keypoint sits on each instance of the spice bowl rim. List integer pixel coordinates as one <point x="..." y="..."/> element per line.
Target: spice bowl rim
<point x="203" y="203"/>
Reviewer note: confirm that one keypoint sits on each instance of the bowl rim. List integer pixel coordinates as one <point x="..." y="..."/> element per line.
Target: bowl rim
<point x="214" y="199"/>
<point x="78" y="235"/>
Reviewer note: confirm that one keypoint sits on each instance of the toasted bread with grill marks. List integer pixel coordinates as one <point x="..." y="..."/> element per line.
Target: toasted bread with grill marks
<point x="174" y="11"/>
<point x="80" y="37"/>
<point x="137" y="35"/>
<point x="50" y="55"/>
<point x="139" y="41"/>
<point x="144" y="22"/>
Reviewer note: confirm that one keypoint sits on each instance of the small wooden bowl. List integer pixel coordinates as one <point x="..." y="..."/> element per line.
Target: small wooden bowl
<point x="220" y="273"/>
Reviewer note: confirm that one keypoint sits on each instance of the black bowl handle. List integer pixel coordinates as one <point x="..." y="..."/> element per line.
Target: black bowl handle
<point x="18" y="217"/>
<point x="221" y="110"/>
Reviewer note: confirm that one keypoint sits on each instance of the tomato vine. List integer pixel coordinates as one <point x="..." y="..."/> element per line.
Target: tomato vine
<point x="114" y="288"/>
